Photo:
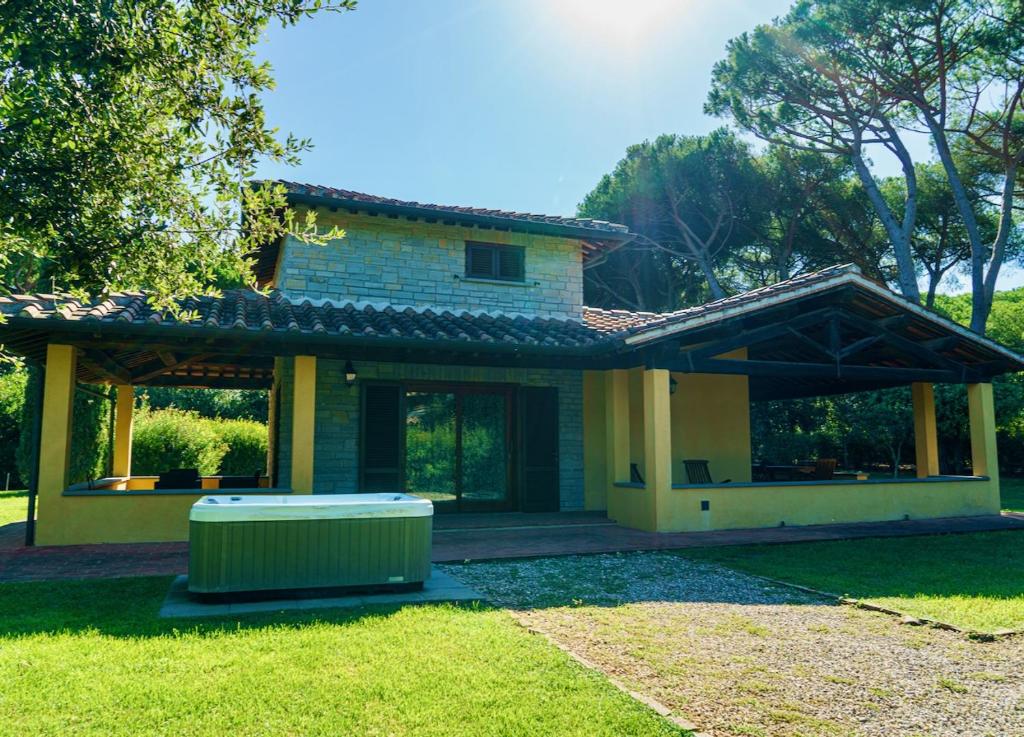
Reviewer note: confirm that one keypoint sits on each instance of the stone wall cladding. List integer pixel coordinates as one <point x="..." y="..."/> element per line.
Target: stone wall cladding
<point x="384" y="260"/>
<point x="336" y="456"/>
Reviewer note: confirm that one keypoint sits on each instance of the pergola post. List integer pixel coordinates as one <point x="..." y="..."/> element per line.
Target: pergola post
<point x="303" y="424"/>
<point x="55" y="448"/>
<point x="926" y="439"/>
<point x="123" y="412"/>
<point x="981" y="410"/>
<point x="657" y="444"/>
<point x="616" y="418"/>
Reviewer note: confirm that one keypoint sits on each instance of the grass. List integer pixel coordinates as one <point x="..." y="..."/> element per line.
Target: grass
<point x="1012" y="491"/>
<point x="91" y="658"/>
<point x="13" y="506"/>
<point x="973" y="581"/>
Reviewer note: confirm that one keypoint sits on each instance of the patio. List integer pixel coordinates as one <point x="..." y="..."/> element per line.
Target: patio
<point x="470" y="537"/>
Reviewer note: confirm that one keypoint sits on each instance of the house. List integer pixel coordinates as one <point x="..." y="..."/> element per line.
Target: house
<point x="446" y="351"/>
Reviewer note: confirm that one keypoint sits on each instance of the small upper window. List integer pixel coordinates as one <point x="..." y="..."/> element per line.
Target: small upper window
<point x="495" y="261"/>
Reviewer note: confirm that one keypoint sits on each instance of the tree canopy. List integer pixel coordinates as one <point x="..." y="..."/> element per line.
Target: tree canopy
<point x="848" y="77"/>
<point x="713" y="217"/>
<point x="128" y="132"/>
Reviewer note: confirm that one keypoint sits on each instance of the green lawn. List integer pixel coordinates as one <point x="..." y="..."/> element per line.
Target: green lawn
<point x="973" y="581"/>
<point x="1012" y="491"/>
<point x="13" y="506"/>
<point x="91" y="658"/>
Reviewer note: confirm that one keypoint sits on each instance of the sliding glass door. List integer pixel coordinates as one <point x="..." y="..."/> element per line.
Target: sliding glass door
<point x="457" y="446"/>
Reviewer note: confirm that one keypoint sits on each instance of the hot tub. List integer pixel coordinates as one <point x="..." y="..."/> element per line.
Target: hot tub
<point x="240" y="543"/>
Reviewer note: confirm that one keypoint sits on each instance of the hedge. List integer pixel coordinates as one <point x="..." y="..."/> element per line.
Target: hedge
<point x="246" y="443"/>
<point x="172" y="438"/>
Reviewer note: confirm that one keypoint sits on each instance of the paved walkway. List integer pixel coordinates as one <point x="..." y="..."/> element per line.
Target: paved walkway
<point x="511" y="536"/>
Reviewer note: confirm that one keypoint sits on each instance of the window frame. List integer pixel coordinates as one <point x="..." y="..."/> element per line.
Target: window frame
<point x="495" y="250"/>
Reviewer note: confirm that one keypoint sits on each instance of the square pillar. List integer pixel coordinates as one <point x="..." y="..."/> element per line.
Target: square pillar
<point x="123" y="412"/>
<point x="55" y="434"/>
<point x="616" y="418"/>
<point x="303" y="424"/>
<point x="984" y="458"/>
<point x="926" y="439"/>
<point x="657" y="445"/>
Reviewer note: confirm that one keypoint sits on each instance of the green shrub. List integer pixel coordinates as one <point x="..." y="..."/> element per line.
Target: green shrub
<point x="90" y="433"/>
<point x="246" y="443"/>
<point x="172" y="438"/>
<point x="12" y="400"/>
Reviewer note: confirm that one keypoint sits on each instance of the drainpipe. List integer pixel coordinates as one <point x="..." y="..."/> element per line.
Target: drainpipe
<point x="35" y="444"/>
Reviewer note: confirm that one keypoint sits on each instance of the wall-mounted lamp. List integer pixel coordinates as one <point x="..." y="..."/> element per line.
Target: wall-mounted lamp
<point x="672" y="385"/>
<point x="350" y="374"/>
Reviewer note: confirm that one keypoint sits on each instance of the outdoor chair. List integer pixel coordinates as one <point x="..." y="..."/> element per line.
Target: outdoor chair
<point x="697" y="472"/>
<point x="635" y="476"/>
<point x="179" y="478"/>
<point x="824" y="469"/>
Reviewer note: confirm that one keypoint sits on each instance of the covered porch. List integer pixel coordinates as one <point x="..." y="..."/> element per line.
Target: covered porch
<point x="689" y="404"/>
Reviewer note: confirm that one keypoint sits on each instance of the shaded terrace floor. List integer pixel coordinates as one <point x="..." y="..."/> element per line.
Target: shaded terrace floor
<point x="471" y="537"/>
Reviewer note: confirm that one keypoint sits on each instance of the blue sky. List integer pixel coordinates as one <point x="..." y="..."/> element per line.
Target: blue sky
<point x="515" y="104"/>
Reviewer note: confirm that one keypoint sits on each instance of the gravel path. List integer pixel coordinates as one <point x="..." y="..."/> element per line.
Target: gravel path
<point x="741" y="657"/>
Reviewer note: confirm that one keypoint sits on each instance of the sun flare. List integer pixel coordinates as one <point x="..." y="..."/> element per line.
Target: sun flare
<point x="617" y="21"/>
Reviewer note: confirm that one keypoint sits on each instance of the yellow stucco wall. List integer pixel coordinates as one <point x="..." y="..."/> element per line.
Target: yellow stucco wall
<point x="595" y="470"/>
<point x="636" y="417"/>
<point x="631" y="507"/>
<point x="738" y="507"/>
<point x="120" y="518"/>
<point x="711" y="421"/>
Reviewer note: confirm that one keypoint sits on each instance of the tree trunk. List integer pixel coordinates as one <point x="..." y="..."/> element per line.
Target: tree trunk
<point x="895" y="230"/>
<point x="713" y="284"/>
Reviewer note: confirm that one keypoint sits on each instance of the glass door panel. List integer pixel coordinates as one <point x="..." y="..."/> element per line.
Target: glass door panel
<point x="430" y="446"/>
<point x="484" y="461"/>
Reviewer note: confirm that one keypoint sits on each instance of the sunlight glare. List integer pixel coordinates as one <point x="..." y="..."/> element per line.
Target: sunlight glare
<point x="617" y="21"/>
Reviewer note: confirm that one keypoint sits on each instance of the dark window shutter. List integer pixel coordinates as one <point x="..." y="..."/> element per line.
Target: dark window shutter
<point x="480" y="262"/>
<point x="381" y="440"/>
<point x="495" y="261"/>
<point x="510" y="264"/>
<point x="538" y="412"/>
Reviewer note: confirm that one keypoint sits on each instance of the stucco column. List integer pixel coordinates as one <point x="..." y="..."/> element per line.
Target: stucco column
<point x="303" y="424"/>
<point x="123" y="412"/>
<point x="926" y="438"/>
<point x="657" y="445"/>
<point x="616" y="418"/>
<point x="984" y="458"/>
<point x="55" y="448"/>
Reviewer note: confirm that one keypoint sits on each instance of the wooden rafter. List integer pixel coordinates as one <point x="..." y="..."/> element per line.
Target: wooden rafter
<point x="166" y="369"/>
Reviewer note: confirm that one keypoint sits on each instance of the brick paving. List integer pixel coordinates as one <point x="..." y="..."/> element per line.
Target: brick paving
<point x="510" y="536"/>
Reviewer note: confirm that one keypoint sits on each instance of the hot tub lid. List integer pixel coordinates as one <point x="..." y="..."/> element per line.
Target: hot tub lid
<point x="266" y="507"/>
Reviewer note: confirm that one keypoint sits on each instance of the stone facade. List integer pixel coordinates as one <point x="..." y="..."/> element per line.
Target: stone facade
<point x="383" y="260"/>
<point x="336" y="455"/>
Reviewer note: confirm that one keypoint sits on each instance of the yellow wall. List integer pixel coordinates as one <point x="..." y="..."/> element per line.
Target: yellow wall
<point x="636" y="418"/>
<point x="55" y="448"/>
<point x="711" y="421"/>
<point x="595" y="471"/>
<point x="980" y="408"/>
<point x="926" y="438"/>
<point x="632" y="507"/>
<point x="121" y="518"/>
<point x="303" y="424"/>
<point x="738" y="507"/>
<point x="123" y="413"/>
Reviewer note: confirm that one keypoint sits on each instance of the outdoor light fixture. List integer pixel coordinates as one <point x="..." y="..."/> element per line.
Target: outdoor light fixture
<point x="672" y="385"/>
<point x="350" y="374"/>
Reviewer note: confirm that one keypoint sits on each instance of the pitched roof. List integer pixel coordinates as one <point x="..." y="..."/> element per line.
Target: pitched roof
<point x="265" y="322"/>
<point x="253" y="312"/>
<point x="597" y="237"/>
<point x="583" y="227"/>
